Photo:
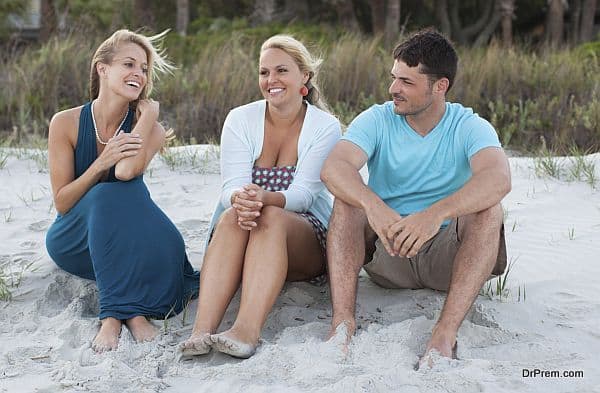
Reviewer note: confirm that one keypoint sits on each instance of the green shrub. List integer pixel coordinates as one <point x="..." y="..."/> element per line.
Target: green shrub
<point x="526" y="94"/>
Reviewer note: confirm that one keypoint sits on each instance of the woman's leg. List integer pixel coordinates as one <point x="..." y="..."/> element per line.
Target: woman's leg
<point x="219" y="279"/>
<point x="283" y="245"/>
<point x="67" y="245"/>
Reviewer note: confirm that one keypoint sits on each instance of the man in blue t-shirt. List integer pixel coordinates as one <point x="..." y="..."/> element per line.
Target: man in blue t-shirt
<point x="430" y="216"/>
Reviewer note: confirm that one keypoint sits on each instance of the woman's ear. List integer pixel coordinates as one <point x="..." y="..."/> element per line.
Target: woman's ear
<point x="306" y="77"/>
<point x="101" y="69"/>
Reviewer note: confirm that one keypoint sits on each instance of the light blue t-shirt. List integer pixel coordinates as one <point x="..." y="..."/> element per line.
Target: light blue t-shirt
<point x="410" y="172"/>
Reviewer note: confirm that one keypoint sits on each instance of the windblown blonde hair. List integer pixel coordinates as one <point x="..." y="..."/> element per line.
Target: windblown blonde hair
<point x="157" y="62"/>
<point x="305" y="61"/>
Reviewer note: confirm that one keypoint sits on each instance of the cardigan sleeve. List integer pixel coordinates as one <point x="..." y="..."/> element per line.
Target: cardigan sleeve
<point x="307" y="184"/>
<point x="236" y="157"/>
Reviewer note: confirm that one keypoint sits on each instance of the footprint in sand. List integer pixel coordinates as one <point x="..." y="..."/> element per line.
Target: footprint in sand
<point x="39" y="226"/>
<point x="78" y="295"/>
<point x="193" y="229"/>
<point x="478" y="316"/>
<point x="28" y="244"/>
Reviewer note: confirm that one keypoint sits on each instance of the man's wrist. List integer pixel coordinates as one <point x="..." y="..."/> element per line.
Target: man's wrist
<point x="437" y="210"/>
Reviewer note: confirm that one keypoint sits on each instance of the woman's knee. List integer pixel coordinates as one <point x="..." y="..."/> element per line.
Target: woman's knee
<point x="227" y="222"/>
<point x="271" y="217"/>
<point x="228" y="218"/>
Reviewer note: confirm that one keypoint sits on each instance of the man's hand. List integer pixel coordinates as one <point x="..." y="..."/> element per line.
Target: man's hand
<point x="381" y="217"/>
<point x="411" y="232"/>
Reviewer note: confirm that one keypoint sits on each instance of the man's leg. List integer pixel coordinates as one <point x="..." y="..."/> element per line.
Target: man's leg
<point x="347" y="236"/>
<point x="479" y="236"/>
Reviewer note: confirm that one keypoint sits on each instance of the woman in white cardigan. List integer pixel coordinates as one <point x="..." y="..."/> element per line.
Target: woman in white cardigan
<point x="270" y="223"/>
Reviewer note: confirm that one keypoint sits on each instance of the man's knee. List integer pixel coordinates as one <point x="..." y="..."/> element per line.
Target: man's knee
<point x="346" y="213"/>
<point x="492" y="217"/>
<point x="489" y="220"/>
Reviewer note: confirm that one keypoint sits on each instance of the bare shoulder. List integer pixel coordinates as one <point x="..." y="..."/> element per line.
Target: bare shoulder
<point x="65" y="123"/>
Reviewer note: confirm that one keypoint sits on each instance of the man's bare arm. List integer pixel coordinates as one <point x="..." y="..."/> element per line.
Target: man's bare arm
<point x="489" y="183"/>
<point x="341" y="175"/>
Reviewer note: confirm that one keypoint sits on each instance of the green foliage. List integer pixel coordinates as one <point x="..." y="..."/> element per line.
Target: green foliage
<point x="590" y="51"/>
<point x="498" y="288"/>
<point x="10" y="8"/>
<point x="3" y="159"/>
<point x="11" y="276"/>
<point x="525" y="94"/>
<point x="582" y="168"/>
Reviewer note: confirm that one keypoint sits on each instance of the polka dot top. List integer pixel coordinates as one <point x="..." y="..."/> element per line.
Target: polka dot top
<point x="277" y="178"/>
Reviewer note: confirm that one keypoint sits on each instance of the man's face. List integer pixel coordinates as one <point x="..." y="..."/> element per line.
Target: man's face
<point x="410" y="89"/>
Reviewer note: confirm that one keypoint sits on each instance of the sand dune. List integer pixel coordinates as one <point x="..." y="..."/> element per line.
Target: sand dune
<point x="553" y="236"/>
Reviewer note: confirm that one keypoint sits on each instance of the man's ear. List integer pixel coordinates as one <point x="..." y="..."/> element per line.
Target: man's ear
<point x="442" y="85"/>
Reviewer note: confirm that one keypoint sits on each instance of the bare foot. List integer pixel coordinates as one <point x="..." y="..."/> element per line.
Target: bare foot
<point x="141" y="329"/>
<point x="439" y="346"/>
<point x="107" y="338"/>
<point x="234" y="343"/>
<point x="341" y="334"/>
<point x="197" y="344"/>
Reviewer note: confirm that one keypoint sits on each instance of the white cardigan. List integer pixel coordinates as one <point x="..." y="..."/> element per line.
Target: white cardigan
<point x="241" y="145"/>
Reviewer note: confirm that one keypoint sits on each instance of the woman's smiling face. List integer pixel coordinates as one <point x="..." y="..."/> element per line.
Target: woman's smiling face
<point x="280" y="78"/>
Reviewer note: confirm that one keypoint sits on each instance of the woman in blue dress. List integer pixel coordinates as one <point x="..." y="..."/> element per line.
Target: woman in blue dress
<point x="108" y="229"/>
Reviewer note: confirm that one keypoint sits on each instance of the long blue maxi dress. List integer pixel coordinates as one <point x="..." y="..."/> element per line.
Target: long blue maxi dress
<point x="118" y="236"/>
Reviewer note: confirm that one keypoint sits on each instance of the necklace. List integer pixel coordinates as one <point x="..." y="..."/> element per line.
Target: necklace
<point x="96" y="128"/>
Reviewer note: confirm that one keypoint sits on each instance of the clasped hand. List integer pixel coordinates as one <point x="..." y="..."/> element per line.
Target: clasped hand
<point x="403" y="236"/>
<point x="248" y="204"/>
<point x="408" y="235"/>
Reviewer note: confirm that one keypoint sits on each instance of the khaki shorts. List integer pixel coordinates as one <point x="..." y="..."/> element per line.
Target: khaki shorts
<point x="430" y="268"/>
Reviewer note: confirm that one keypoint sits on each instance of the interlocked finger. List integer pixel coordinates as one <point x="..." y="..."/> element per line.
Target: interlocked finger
<point x="400" y="240"/>
<point x="408" y="246"/>
<point x="247" y="214"/>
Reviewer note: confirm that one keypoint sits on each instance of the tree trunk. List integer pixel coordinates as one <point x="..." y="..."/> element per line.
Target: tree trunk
<point x="392" y="22"/>
<point x="555" y="22"/>
<point x="493" y="22"/>
<point x="345" y="14"/>
<point x="574" y="21"/>
<point x="441" y="13"/>
<point x="298" y="10"/>
<point x="587" y="20"/>
<point x="264" y="11"/>
<point x="507" y="8"/>
<point x="488" y="13"/>
<point x="142" y="14"/>
<point x="48" y="19"/>
<point x="183" y="16"/>
<point x="457" y="30"/>
<point x="378" y="16"/>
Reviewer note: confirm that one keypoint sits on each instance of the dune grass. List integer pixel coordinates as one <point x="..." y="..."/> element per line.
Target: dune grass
<point x="525" y="93"/>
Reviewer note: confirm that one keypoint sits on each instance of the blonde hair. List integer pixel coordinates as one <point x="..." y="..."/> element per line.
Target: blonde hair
<point x="305" y="61"/>
<point x="157" y="62"/>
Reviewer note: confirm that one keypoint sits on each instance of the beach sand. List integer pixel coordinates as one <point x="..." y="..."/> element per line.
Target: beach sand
<point x="547" y="319"/>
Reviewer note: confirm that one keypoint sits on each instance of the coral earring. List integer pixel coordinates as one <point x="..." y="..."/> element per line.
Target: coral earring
<point x="304" y="91"/>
